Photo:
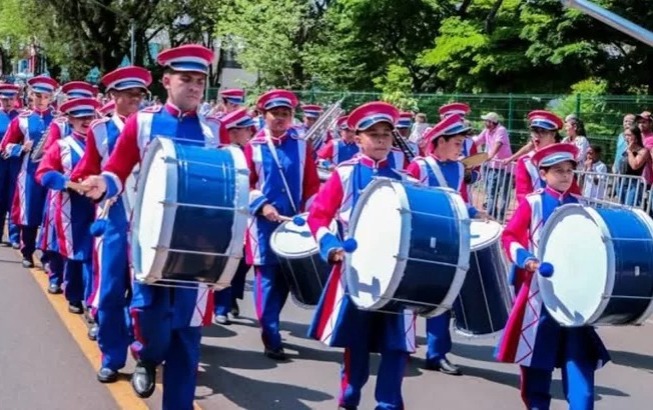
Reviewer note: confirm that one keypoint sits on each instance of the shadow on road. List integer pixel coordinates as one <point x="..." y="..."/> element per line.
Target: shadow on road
<point x="630" y="359"/>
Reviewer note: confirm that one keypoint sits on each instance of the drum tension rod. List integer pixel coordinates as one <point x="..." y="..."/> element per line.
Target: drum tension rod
<point x="164" y="248"/>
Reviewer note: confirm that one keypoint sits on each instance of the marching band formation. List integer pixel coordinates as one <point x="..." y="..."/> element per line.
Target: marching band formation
<point x="149" y="220"/>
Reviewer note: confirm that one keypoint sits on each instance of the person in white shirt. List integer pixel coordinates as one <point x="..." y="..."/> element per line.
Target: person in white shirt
<point x="575" y="130"/>
<point x="595" y="184"/>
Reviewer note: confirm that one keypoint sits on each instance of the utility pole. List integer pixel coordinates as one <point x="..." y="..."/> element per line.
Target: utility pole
<point x="132" y="47"/>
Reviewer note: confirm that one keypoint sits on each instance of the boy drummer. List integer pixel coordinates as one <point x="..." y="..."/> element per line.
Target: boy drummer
<point x="532" y="338"/>
<point x="337" y="321"/>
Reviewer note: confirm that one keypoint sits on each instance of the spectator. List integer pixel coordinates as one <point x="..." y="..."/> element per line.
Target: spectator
<point x="636" y="158"/>
<point x="418" y="128"/>
<point x="628" y="121"/>
<point x="575" y="130"/>
<point x="594" y="184"/>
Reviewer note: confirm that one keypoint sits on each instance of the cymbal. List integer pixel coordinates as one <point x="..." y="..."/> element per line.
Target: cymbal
<point x="475" y="160"/>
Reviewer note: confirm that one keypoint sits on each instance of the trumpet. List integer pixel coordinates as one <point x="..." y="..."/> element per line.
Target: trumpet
<point x="400" y="143"/>
<point x="316" y="133"/>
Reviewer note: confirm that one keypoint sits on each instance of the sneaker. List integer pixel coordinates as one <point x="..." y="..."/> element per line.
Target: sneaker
<point x="221" y="320"/>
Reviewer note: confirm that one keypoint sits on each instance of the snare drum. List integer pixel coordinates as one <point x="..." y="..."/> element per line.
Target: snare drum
<point x="484" y="303"/>
<point x="603" y="266"/>
<point x="190" y="214"/>
<point x="301" y="265"/>
<point x="413" y="247"/>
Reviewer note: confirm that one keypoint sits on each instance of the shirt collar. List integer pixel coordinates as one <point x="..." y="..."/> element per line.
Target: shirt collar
<point x="177" y="112"/>
<point x="560" y="196"/>
<point x="372" y="163"/>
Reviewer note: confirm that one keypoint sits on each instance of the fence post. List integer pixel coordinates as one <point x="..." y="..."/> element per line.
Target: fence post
<point x="578" y="105"/>
<point x="510" y="112"/>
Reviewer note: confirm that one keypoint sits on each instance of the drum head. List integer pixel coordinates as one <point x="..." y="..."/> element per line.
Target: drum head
<point x="484" y="234"/>
<point x="293" y="241"/>
<point x="381" y="230"/>
<point x="576" y="242"/>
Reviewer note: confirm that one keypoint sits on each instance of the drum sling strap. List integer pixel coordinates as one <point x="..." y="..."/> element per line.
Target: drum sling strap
<point x="437" y="173"/>
<point x="273" y="151"/>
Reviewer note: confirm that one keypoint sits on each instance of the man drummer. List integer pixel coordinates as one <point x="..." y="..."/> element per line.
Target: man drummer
<point x="339" y="150"/>
<point x="283" y="182"/>
<point x="127" y="87"/>
<point x="236" y="129"/>
<point x="166" y="321"/>
<point x="337" y="321"/>
<point x="443" y="169"/>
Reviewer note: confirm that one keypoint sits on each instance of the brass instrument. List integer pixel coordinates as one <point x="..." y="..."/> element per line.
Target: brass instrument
<point x="316" y="133"/>
<point x="400" y="143"/>
<point x="36" y="153"/>
<point x="612" y="20"/>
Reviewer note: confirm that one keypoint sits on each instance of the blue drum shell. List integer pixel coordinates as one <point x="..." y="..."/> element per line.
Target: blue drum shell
<point x="430" y="270"/>
<point x="206" y="176"/>
<point x="633" y="247"/>
<point x="306" y="278"/>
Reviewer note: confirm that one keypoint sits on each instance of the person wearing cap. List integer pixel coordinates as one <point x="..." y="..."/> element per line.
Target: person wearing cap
<point x="497" y="145"/>
<point x="166" y="321"/>
<point x="404" y="125"/>
<point x="9" y="167"/>
<point x="283" y="182"/>
<point x="127" y="86"/>
<point x="311" y="113"/>
<point x="337" y="321"/>
<point x="442" y="168"/>
<point x="24" y="133"/>
<point x="532" y="338"/>
<point x="461" y="110"/>
<point x="236" y="129"/>
<point x="338" y="150"/>
<point x="74" y="212"/>
<point x="232" y="100"/>
<point x="544" y="128"/>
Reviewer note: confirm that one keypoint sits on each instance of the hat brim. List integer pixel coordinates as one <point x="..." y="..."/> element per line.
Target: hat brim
<point x="366" y="125"/>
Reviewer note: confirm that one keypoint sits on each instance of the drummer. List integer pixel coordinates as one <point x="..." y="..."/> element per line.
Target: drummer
<point x="167" y="321"/>
<point x="532" y="338"/>
<point x="337" y="321"/>
<point x="236" y="129"/>
<point x="283" y="182"/>
<point x="339" y="150"/>
<point x="443" y="169"/>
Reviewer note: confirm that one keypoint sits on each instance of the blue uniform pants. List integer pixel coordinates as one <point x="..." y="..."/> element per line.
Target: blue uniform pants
<point x="28" y="241"/>
<point x="438" y="336"/>
<point x="223" y="299"/>
<point x="55" y="267"/>
<point x="158" y="340"/>
<point x="356" y="370"/>
<point x="78" y="277"/>
<point x="577" y="380"/>
<point x="270" y="294"/>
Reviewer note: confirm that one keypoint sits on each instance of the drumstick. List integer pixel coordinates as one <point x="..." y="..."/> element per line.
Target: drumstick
<point x="99" y="226"/>
<point x="297" y="220"/>
<point x="76" y="186"/>
<point x="545" y="270"/>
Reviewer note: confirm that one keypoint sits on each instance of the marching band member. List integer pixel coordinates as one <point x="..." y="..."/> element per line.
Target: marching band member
<point x="339" y="150"/>
<point x="107" y="109"/>
<point x="442" y="168"/>
<point x="283" y="181"/>
<point x="167" y="321"/>
<point x="311" y="113"/>
<point x="462" y="110"/>
<point x="232" y="99"/>
<point x="404" y="126"/>
<point x="74" y="212"/>
<point x="127" y="87"/>
<point x="544" y="127"/>
<point x="24" y="133"/>
<point x="236" y="130"/>
<point x="337" y="321"/>
<point x="532" y="338"/>
<point x="9" y="167"/>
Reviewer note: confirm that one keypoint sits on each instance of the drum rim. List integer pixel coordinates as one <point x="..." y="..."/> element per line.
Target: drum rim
<point x="333" y="228"/>
<point x="492" y="240"/>
<point x="649" y="223"/>
<point x="548" y="227"/>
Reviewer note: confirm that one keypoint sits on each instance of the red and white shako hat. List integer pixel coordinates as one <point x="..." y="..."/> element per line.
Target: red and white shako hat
<point x="239" y="118"/>
<point x="277" y="98"/>
<point x="544" y="119"/>
<point x="9" y="90"/>
<point x="455" y="108"/>
<point x="80" y="107"/>
<point x="341" y="122"/>
<point x="187" y="58"/>
<point x="312" y="110"/>
<point x="555" y="154"/>
<point x="107" y="109"/>
<point x="451" y="125"/>
<point x="405" y="120"/>
<point x="369" y="114"/>
<point x="43" y="84"/>
<point x="128" y="77"/>
<point x="79" y="89"/>
<point x="234" y="96"/>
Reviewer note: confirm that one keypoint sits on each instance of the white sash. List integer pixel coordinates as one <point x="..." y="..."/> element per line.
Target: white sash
<point x="74" y="145"/>
<point x="273" y="151"/>
<point x="430" y="161"/>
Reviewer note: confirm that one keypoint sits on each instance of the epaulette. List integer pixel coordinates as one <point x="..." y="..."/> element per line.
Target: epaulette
<point x="152" y="108"/>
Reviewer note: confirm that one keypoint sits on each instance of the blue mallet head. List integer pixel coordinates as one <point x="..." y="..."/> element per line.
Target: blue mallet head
<point x="349" y="245"/>
<point x="98" y="227"/>
<point x="299" y="221"/>
<point x="546" y="269"/>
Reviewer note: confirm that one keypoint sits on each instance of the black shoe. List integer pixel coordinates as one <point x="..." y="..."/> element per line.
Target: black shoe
<point x="143" y="380"/>
<point x="76" y="308"/>
<point x="443" y="366"/>
<point x="54" y="289"/>
<point x="106" y="375"/>
<point x="93" y="331"/>
<point x="27" y="263"/>
<point x="276" y="354"/>
<point x="235" y="311"/>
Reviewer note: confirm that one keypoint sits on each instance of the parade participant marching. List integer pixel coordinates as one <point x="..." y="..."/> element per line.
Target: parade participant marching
<point x="339" y="150"/>
<point x="73" y="212"/>
<point x="166" y="321"/>
<point x="442" y="168"/>
<point x="283" y="182"/>
<point x="236" y="129"/>
<point x="462" y="110"/>
<point x="404" y="126"/>
<point x="532" y="338"/>
<point x="127" y="87"/>
<point x="337" y="321"/>
<point x="24" y="133"/>
<point x="9" y="167"/>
